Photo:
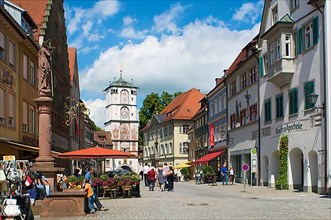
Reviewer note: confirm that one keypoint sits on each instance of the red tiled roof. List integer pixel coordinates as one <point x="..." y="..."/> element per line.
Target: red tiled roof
<point x="72" y="62"/>
<point x="184" y="106"/>
<point x="36" y="9"/>
<point x="241" y="57"/>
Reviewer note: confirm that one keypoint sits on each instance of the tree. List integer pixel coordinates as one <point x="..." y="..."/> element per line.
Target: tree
<point x="153" y="104"/>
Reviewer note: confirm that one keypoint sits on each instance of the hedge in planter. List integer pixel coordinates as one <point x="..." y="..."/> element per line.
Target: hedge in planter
<point x="282" y="182"/>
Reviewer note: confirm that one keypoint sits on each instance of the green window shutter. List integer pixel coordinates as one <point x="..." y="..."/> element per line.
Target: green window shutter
<point x="309" y="88"/>
<point x="261" y="67"/>
<point x="299" y="41"/>
<point x="293" y="101"/>
<point x="315" y="30"/>
<point x="267" y="110"/>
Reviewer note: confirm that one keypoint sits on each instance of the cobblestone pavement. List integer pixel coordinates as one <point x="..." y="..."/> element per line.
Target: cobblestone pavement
<point x="191" y="201"/>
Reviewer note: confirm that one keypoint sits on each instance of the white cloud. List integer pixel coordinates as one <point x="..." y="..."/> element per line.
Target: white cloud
<point x="166" y="20"/>
<point x="248" y="12"/>
<point x="97" y="111"/>
<point x="128" y="21"/>
<point x="171" y="63"/>
<point x="80" y="21"/>
<point x="87" y="49"/>
<point x="129" y="32"/>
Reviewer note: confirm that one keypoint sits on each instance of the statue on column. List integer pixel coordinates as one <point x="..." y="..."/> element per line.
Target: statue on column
<point x="45" y="70"/>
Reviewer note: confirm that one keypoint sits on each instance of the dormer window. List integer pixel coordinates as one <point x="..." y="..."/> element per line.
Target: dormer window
<point x="274" y="15"/>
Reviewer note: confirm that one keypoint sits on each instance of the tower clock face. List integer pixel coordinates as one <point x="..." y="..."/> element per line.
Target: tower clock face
<point x="124" y="113"/>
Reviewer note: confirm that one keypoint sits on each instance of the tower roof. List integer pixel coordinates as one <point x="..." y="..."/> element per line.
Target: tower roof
<point x="121" y="83"/>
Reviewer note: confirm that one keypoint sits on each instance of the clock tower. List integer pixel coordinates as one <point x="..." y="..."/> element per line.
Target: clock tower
<point x="122" y="121"/>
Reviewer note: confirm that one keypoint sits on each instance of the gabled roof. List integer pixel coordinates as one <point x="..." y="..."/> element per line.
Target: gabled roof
<point x="243" y="55"/>
<point x="72" y="56"/>
<point x="184" y="106"/>
<point x="37" y="11"/>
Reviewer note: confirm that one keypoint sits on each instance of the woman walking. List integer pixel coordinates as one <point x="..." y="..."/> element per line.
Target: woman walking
<point x="160" y="177"/>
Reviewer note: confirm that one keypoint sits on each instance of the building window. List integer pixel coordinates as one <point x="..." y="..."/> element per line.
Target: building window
<point x="293" y="99"/>
<point x="25" y="117"/>
<point x="266" y="63"/>
<point x="272" y="53"/>
<point x="2" y="106"/>
<point x="294" y="4"/>
<point x="32" y="120"/>
<point x="252" y="75"/>
<point x="216" y="106"/>
<point x="11" y="112"/>
<point x="233" y="88"/>
<point x="233" y="121"/>
<point x="25" y="67"/>
<point x="11" y="54"/>
<point x="253" y="113"/>
<point x="2" y="46"/>
<point x="32" y="73"/>
<point x="243" y="81"/>
<point x="280" y="106"/>
<point x="309" y="88"/>
<point x="308" y="36"/>
<point x="183" y="129"/>
<point x="288" y="45"/>
<point x="243" y="117"/>
<point x="211" y="107"/>
<point x="267" y="110"/>
<point x="274" y="15"/>
<point x="185" y="148"/>
<point x="278" y="49"/>
<point x="170" y="148"/>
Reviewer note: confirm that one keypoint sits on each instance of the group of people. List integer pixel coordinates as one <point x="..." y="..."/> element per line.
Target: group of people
<point x="163" y="176"/>
<point x="225" y="174"/>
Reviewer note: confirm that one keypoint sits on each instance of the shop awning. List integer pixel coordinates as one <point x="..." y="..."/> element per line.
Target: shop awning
<point x="208" y="157"/>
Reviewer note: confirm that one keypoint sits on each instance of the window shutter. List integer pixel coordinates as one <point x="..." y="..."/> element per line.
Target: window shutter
<point x="315" y="30"/>
<point x="11" y="106"/>
<point x="2" y="103"/>
<point x="299" y="41"/>
<point x="2" y="40"/>
<point x="261" y="67"/>
<point x="309" y="88"/>
<point x="25" y="113"/>
<point x="295" y="101"/>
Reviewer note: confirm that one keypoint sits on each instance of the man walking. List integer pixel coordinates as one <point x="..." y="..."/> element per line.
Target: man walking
<point x="145" y="171"/>
<point x="224" y="174"/>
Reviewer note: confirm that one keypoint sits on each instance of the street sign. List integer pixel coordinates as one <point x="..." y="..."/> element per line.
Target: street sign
<point x="245" y="167"/>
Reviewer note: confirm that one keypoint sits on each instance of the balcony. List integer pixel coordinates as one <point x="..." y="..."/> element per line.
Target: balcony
<point x="281" y="72"/>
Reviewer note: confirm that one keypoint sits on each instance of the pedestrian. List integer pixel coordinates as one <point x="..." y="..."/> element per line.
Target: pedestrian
<point x="160" y="178"/>
<point x="89" y="173"/>
<point x="224" y="174"/>
<point x="231" y="173"/>
<point x="151" y="178"/>
<point x="89" y="190"/>
<point x="165" y="170"/>
<point x="145" y="171"/>
<point x="170" y="178"/>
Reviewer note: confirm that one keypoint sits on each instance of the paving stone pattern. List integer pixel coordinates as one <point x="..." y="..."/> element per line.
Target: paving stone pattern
<point x="191" y="201"/>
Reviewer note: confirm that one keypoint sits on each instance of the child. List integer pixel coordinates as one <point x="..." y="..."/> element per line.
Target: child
<point x="89" y="191"/>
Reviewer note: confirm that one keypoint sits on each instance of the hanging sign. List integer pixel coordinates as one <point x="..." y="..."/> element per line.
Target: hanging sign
<point x="9" y="157"/>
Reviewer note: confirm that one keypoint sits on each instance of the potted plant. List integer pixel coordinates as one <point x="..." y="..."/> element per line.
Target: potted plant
<point x="208" y="172"/>
<point x="72" y="180"/>
<point x="185" y="172"/>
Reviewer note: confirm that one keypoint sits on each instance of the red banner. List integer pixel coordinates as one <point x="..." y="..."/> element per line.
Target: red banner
<point x="211" y="135"/>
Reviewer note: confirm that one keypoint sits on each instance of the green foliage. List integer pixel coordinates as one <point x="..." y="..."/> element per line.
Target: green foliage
<point x="103" y="177"/>
<point x="94" y="126"/>
<point x="72" y="179"/>
<point x="153" y="104"/>
<point x="184" y="171"/>
<point x="208" y="170"/>
<point x="282" y="182"/>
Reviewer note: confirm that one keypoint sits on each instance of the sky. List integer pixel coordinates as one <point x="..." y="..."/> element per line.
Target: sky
<point x="161" y="45"/>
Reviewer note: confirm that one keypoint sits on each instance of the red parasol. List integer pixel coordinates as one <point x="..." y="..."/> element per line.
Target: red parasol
<point x="96" y="152"/>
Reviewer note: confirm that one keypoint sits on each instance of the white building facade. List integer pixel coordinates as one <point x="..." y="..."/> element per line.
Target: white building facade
<point x="122" y="121"/>
<point x="291" y="68"/>
<point x="242" y="84"/>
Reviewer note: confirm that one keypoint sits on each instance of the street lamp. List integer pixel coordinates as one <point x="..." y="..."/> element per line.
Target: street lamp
<point x="312" y="98"/>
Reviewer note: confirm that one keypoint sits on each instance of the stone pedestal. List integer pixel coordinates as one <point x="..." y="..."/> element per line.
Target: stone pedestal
<point x="44" y="162"/>
<point x="64" y="204"/>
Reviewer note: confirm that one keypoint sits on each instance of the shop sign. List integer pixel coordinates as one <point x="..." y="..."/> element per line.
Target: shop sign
<point x="211" y="135"/>
<point x="289" y="128"/>
<point x="8" y="157"/>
